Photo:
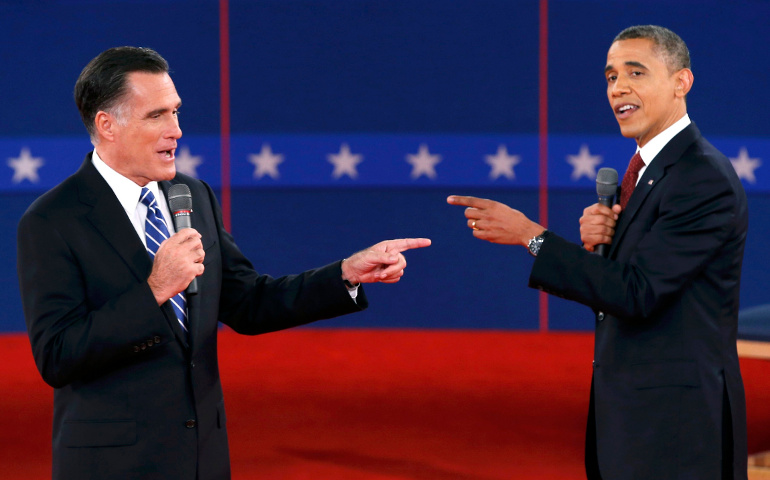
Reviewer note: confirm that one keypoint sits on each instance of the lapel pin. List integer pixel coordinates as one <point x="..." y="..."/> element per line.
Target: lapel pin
<point x="650" y="182"/>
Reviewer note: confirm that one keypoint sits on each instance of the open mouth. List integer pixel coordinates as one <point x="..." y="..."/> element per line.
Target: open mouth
<point x="169" y="154"/>
<point x="625" y="110"/>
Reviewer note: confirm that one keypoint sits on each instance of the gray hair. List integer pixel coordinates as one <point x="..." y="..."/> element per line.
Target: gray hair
<point x="667" y="44"/>
<point x="103" y="85"/>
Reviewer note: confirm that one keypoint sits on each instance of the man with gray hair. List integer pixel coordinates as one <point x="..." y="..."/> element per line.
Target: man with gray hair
<point x="667" y="399"/>
<point x="130" y="351"/>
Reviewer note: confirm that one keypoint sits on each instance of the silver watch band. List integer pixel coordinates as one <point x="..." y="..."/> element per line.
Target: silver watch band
<point x="536" y="242"/>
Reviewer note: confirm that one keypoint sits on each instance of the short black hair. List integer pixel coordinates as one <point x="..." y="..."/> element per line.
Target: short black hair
<point x="102" y="83"/>
<point x="667" y="43"/>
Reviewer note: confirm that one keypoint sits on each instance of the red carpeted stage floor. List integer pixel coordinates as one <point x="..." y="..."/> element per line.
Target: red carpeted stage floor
<point x="379" y="404"/>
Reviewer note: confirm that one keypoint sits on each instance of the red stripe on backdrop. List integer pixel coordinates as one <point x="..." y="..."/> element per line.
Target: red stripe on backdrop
<point x="224" y="106"/>
<point x="543" y="139"/>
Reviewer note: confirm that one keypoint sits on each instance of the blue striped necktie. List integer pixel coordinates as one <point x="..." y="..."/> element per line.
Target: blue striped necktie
<point x="155" y="232"/>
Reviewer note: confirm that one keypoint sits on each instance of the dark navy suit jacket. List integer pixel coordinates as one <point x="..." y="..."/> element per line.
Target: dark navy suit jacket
<point x="134" y="397"/>
<point x="667" y="390"/>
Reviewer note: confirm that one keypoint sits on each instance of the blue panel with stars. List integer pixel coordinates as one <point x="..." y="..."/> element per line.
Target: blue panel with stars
<point x="293" y="160"/>
<point x="384" y="160"/>
<point x="37" y="164"/>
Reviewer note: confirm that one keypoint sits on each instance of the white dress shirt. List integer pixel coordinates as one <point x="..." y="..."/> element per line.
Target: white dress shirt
<point x="128" y="194"/>
<point x="654" y="146"/>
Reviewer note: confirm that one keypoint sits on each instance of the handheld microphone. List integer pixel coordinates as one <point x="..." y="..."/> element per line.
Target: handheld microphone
<point x="180" y="204"/>
<point x="606" y="188"/>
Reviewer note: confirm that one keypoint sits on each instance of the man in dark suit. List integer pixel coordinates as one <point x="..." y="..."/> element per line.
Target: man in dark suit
<point x="134" y="364"/>
<point x="667" y="399"/>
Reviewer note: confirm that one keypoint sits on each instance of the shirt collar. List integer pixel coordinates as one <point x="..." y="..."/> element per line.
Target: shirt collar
<point x="654" y="146"/>
<point x="126" y="190"/>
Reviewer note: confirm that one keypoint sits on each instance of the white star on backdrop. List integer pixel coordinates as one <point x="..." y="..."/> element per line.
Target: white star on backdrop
<point x="502" y="164"/>
<point x="584" y="164"/>
<point x="744" y="165"/>
<point x="345" y="162"/>
<point x="266" y="162"/>
<point x="186" y="163"/>
<point x="25" y="166"/>
<point x="423" y="163"/>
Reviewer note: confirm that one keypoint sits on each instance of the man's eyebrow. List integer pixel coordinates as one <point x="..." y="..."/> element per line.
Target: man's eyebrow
<point x="157" y="111"/>
<point x="629" y="63"/>
<point x="636" y="64"/>
<point x="160" y="111"/>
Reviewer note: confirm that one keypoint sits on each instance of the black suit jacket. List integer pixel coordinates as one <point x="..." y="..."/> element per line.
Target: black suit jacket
<point x="134" y="396"/>
<point x="667" y="392"/>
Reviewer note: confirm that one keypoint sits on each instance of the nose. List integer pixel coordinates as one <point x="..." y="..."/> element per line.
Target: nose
<point x="620" y="87"/>
<point x="174" y="131"/>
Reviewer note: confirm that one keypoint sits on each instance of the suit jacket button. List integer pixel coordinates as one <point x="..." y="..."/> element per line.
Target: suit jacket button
<point x="143" y="346"/>
<point x="136" y="348"/>
<point x="150" y="342"/>
<point x="600" y="316"/>
<point x="189" y="424"/>
<point x="156" y="339"/>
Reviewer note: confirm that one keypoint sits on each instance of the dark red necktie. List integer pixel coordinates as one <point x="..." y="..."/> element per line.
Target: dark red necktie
<point x="630" y="178"/>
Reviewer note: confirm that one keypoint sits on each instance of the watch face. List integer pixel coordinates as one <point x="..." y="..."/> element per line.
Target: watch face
<point x="534" y="245"/>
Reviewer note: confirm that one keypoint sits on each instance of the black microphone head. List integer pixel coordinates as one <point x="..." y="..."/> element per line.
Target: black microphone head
<point x="180" y="198"/>
<point x="607" y="182"/>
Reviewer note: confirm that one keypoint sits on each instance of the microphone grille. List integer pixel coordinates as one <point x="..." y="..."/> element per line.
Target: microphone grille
<point x="180" y="198"/>
<point x="607" y="182"/>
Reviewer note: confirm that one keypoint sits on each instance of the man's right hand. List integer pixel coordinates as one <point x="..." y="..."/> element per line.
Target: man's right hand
<point x="597" y="225"/>
<point x="178" y="261"/>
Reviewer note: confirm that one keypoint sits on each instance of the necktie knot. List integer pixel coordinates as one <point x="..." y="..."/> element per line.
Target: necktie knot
<point x="147" y="197"/>
<point x="630" y="178"/>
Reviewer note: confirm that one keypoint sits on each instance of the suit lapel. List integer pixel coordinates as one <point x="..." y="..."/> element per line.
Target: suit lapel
<point x="650" y="180"/>
<point x="108" y="218"/>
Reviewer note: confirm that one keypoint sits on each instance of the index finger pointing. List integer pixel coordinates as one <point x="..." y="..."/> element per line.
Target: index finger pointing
<point x="473" y="202"/>
<point x="403" y="244"/>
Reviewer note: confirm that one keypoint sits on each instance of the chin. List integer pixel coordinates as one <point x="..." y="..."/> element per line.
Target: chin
<point x="169" y="175"/>
<point x="628" y="132"/>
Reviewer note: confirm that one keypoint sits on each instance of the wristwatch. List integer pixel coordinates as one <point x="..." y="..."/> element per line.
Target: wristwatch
<point x="536" y="242"/>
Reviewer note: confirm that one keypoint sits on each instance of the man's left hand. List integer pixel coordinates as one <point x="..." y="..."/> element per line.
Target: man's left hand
<point x="380" y="263"/>
<point x="496" y="222"/>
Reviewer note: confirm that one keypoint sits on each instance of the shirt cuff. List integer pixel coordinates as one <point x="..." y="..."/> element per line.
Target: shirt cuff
<point x="353" y="291"/>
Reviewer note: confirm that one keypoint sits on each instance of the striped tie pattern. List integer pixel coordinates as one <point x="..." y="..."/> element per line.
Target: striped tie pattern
<point x="155" y="232"/>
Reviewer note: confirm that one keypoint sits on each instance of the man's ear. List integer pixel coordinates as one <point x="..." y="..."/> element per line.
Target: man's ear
<point x="105" y="125"/>
<point x="684" y="79"/>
